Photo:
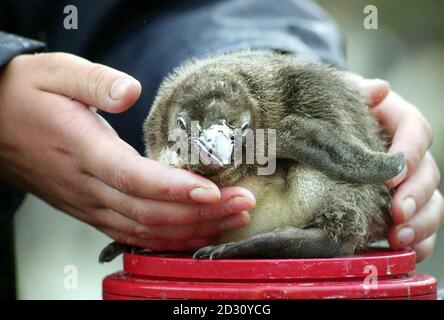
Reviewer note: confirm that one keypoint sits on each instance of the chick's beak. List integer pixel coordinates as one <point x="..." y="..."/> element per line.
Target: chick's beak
<point x="215" y="145"/>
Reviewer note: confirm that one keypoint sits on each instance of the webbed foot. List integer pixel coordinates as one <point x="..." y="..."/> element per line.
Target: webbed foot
<point x="281" y="243"/>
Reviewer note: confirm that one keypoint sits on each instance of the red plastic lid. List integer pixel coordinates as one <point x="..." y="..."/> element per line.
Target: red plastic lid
<point x="385" y="263"/>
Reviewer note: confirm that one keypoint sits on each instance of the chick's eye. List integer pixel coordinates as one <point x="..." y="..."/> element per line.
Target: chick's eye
<point x="181" y="124"/>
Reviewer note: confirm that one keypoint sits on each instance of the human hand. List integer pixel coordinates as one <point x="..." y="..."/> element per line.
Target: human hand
<point x="57" y="148"/>
<point x="417" y="206"/>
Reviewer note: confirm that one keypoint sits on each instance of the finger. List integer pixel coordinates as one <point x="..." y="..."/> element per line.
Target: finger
<point x="186" y="232"/>
<point x="155" y="212"/>
<point x="424" y="249"/>
<point x="411" y="133"/>
<point x="374" y="90"/>
<point x="155" y="244"/>
<point x="232" y="193"/>
<point x="90" y="83"/>
<point x="108" y="218"/>
<point x="117" y="164"/>
<point x="413" y="140"/>
<point x="425" y="223"/>
<point x="414" y="192"/>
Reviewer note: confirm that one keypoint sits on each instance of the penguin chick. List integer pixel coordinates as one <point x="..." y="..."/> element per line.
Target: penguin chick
<point x="327" y="195"/>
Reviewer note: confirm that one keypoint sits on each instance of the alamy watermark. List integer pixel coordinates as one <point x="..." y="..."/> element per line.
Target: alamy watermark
<point x="371" y="19"/>
<point x="71" y="279"/>
<point x="371" y="280"/>
<point x="71" y="20"/>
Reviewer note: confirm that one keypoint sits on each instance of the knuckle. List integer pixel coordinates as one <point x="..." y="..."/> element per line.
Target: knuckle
<point x="95" y="218"/>
<point x="141" y="213"/>
<point x="83" y="187"/>
<point x="428" y="131"/>
<point x="421" y="230"/>
<point x="413" y="162"/>
<point x="142" y="232"/>
<point x="171" y="191"/>
<point x="426" y="227"/>
<point x="48" y="58"/>
<point x="436" y="174"/>
<point x="89" y="187"/>
<point x="121" y="178"/>
<point x="89" y="210"/>
<point x="202" y="213"/>
<point x="137" y="213"/>
<point x="51" y="61"/>
<point x="94" y="80"/>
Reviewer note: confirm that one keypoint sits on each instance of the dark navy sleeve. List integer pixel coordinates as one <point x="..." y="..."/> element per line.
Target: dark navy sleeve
<point x="12" y="45"/>
<point x="299" y="27"/>
<point x="206" y="27"/>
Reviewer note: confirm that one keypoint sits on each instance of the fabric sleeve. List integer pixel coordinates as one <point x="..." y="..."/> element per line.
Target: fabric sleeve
<point x="300" y="27"/>
<point x="12" y="45"/>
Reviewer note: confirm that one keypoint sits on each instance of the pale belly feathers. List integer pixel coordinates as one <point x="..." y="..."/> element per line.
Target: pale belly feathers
<point x="286" y="198"/>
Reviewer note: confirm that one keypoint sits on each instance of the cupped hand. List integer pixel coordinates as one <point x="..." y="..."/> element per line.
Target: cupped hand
<point x="54" y="146"/>
<point x="417" y="205"/>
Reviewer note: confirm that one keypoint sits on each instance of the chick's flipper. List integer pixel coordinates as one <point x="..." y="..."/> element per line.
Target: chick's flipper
<point x="287" y="242"/>
<point x="340" y="156"/>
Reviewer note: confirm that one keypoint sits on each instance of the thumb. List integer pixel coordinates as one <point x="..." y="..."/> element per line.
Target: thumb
<point x="89" y="83"/>
<point x="375" y="90"/>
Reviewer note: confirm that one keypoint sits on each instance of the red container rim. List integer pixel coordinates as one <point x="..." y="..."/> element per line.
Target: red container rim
<point x="122" y="285"/>
<point x="167" y="266"/>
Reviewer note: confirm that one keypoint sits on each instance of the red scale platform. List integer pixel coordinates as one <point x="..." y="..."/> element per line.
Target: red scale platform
<point x="375" y="275"/>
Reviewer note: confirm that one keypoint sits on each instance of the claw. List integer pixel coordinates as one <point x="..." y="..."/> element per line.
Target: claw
<point x="212" y="252"/>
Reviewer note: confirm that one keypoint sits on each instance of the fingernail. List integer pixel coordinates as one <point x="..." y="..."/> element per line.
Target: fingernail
<point x="235" y="221"/>
<point x="408" y="208"/>
<point x="375" y="83"/>
<point x="119" y="88"/>
<point x="202" y="194"/>
<point x="394" y="182"/>
<point x="368" y="88"/>
<point x="238" y="204"/>
<point x="405" y="236"/>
